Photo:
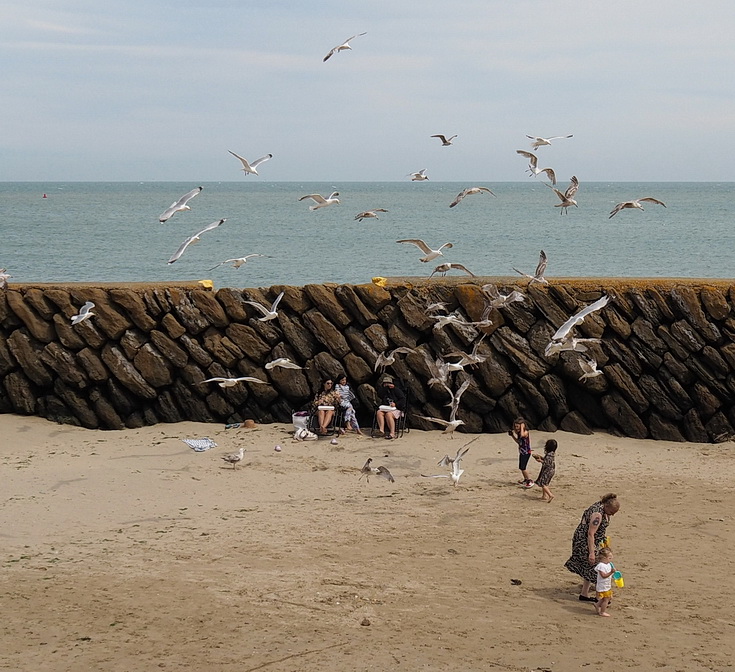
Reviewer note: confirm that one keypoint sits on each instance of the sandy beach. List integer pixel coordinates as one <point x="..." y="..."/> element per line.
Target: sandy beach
<point x="129" y="551"/>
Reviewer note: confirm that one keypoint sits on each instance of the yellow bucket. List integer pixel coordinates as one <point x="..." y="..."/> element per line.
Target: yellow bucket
<point x="618" y="579"/>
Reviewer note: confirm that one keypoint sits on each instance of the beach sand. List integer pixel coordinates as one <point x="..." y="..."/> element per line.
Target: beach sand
<point x="129" y="551"/>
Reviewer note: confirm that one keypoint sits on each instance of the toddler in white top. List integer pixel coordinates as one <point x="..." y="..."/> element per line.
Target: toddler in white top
<point x="605" y="569"/>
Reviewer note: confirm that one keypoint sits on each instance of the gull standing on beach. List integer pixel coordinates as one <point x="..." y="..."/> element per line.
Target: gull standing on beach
<point x="369" y="213"/>
<point x="445" y="141"/>
<point x="563" y="340"/>
<point x="445" y="268"/>
<point x="234" y="458"/>
<point x="85" y="312"/>
<point x="635" y="203"/>
<point x="180" y="205"/>
<point x="342" y="47"/>
<point x="268" y="313"/>
<point x="193" y="239"/>
<point x="538" y="275"/>
<point x="430" y="254"/>
<point x="320" y="201"/>
<point x="567" y="198"/>
<point x="533" y="168"/>
<point x="4" y="278"/>
<point x="540" y="142"/>
<point x="420" y="176"/>
<point x="468" y="192"/>
<point x="231" y="382"/>
<point x="250" y="168"/>
<point x="282" y="362"/>
<point x="239" y="261"/>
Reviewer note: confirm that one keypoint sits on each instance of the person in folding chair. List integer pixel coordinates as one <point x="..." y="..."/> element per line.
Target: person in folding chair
<point x="324" y="405"/>
<point x="392" y="405"/>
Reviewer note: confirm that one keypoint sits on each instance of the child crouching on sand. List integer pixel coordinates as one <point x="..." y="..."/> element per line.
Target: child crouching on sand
<point x="605" y="570"/>
<point x="548" y="467"/>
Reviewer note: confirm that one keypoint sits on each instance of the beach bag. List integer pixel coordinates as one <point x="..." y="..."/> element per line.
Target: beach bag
<point x="300" y="419"/>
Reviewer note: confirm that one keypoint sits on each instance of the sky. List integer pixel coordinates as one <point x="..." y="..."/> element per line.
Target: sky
<point x="155" y="90"/>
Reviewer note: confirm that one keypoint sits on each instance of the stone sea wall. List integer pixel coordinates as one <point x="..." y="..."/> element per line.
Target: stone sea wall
<point x="667" y="353"/>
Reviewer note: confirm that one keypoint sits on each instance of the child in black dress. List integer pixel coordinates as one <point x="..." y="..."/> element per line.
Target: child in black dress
<point x="548" y="468"/>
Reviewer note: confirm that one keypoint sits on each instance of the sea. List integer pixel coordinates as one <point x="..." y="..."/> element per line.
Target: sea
<point x="109" y="231"/>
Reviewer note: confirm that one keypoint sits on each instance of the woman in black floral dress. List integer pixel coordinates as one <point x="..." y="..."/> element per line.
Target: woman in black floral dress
<point x="588" y="536"/>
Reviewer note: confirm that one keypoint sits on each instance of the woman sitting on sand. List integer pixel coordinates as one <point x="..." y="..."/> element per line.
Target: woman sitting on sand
<point x="587" y="539"/>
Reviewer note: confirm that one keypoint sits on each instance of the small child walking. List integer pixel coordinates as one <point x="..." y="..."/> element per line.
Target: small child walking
<point x="605" y="569"/>
<point x="523" y="439"/>
<point x="548" y="468"/>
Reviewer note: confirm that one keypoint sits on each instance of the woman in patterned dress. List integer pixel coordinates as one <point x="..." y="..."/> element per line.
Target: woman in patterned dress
<point x="588" y="537"/>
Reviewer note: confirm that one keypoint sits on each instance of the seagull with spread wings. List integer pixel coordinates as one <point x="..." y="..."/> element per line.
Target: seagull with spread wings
<point x="468" y="192"/>
<point x="239" y="261"/>
<point x="250" y="168"/>
<point x="419" y="176"/>
<point x="589" y="368"/>
<point x="567" y="198"/>
<point x="635" y="203"/>
<point x="430" y="254"/>
<point x="563" y="339"/>
<point x="541" y="142"/>
<point x="443" y="269"/>
<point x="320" y="201"/>
<point x="283" y="363"/>
<point x="445" y="141"/>
<point x="85" y="312"/>
<point x="193" y="239"/>
<point x="369" y="214"/>
<point x="533" y="168"/>
<point x="368" y="470"/>
<point x="231" y="382"/>
<point x="389" y="359"/>
<point x="180" y="205"/>
<point x="4" y="275"/>
<point x="538" y="275"/>
<point x="342" y="47"/>
<point x="268" y="313"/>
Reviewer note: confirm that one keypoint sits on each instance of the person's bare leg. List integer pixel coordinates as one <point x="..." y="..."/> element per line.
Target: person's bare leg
<point x="526" y="475"/>
<point x="601" y="606"/>
<point x="381" y="421"/>
<point x="547" y="493"/>
<point x="391" y="423"/>
<point x="585" y="588"/>
<point x="328" y="415"/>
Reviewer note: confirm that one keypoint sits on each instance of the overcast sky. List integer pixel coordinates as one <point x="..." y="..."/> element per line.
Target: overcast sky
<point x="160" y="90"/>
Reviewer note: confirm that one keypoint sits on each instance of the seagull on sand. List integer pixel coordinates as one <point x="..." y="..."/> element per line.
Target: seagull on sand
<point x="420" y="176"/>
<point x="636" y="203"/>
<point x="540" y="142"/>
<point x="468" y="192"/>
<point x="4" y="278"/>
<point x="234" y="458"/>
<point x="231" y="382"/>
<point x="430" y="254"/>
<point x="563" y="340"/>
<point x="533" y="168"/>
<point x="180" y="205"/>
<point x="85" y="312"/>
<point x="538" y="275"/>
<point x="193" y="239"/>
<point x="342" y="47"/>
<point x="239" y="261"/>
<point x="567" y="198"/>
<point x="369" y="213"/>
<point x="250" y="168"/>
<point x="589" y="368"/>
<point x="268" y="313"/>
<point x="389" y="359"/>
<point x="282" y="362"/>
<point x="320" y="201"/>
<point x="443" y="269"/>
<point x="445" y="141"/>
<point x="367" y="471"/>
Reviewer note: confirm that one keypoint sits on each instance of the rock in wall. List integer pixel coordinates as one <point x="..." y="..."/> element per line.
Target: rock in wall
<point x="665" y="348"/>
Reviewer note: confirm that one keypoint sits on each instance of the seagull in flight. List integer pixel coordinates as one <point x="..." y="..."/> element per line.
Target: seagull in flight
<point x="268" y="313"/>
<point x="449" y="426"/>
<point x="540" y="142"/>
<point x="282" y="362"/>
<point x="469" y="191"/>
<point x="342" y="47"/>
<point x="445" y="268"/>
<point x="533" y="168"/>
<point x="497" y="300"/>
<point x="430" y="254"/>
<point x="231" y="382"/>
<point x="180" y="205"/>
<point x="234" y="458"/>
<point x="320" y="201"/>
<point x="239" y="261"/>
<point x="369" y="213"/>
<point x="538" y="275"/>
<point x="636" y="203"/>
<point x="4" y="278"/>
<point x="445" y="141"/>
<point x="250" y="168"/>
<point x="389" y="359"/>
<point x="471" y="358"/>
<point x="454" y="463"/>
<point x="85" y="312"/>
<point x="563" y="340"/>
<point x="367" y="471"/>
<point x="567" y="198"/>
<point x="420" y="176"/>
<point x="193" y="239"/>
<point x="589" y="368"/>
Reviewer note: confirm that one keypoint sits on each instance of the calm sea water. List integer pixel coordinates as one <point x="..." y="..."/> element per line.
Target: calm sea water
<point x="94" y="232"/>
